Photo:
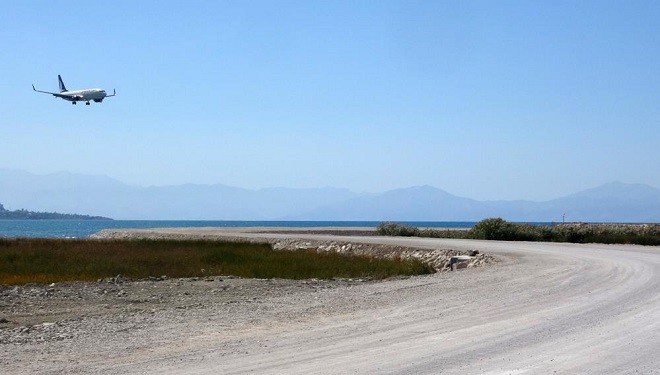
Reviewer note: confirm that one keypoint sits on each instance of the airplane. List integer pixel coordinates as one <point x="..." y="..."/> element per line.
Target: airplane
<point x="74" y="96"/>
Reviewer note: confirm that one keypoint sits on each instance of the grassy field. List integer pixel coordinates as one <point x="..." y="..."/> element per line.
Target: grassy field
<point x="498" y="229"/>
<point x="51" y="260"/>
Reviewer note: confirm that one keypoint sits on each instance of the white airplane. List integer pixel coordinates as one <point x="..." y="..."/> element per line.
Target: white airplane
<point x="74" y="96"/>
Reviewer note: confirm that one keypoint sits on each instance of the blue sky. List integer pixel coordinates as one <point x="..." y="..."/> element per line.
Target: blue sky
<point x="489" y="100"/>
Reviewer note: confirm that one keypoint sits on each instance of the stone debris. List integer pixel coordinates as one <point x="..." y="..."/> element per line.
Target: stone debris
<point x="439" y="259"/>
<point x="78" y="310"/>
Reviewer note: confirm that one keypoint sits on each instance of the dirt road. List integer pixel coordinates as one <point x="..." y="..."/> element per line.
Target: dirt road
<point x="545" y="308"/>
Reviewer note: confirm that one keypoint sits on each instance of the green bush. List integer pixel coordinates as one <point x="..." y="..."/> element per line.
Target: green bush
<point x="493" y="229"/>
<point x="395" y="229"/>
<point x="444" y="233"/>
<point x="499" y="229"/>
<point x="640" y="234"/>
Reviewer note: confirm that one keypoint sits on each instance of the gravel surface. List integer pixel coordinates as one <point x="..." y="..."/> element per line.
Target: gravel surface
<point x="543" y="308"/>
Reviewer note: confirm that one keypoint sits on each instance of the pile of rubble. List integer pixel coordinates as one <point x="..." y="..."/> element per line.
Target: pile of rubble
<point x="439" y="259"/>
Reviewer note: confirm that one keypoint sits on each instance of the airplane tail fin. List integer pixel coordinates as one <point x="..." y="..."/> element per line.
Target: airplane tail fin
<point x="62" y="87"/>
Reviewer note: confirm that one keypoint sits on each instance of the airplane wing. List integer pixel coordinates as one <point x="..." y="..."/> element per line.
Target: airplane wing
<point x="57" y="94"/>
<point x="45" y="92"/>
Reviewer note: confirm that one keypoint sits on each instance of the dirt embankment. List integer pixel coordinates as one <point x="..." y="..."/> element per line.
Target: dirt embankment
<point x="437" y="258"/>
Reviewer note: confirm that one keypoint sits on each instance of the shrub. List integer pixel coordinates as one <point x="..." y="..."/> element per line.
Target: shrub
<point x="395" y="229"/>
<point x="444" y="233"/>
<point x="493" y="229"/>
<point x="499" y="229"/>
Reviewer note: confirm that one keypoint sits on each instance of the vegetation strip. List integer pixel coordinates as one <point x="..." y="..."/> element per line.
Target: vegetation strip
<point x="53" y="260"/>
<point x="31" y="215"/>
<point x="499" y="229"/>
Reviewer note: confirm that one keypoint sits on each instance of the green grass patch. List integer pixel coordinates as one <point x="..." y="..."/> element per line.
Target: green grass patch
<point x="499" y="229"/>
<point x="26" y="260"/>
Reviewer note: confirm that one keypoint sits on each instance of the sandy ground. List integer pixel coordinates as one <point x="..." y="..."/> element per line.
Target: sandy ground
<point x="544" y="308"/>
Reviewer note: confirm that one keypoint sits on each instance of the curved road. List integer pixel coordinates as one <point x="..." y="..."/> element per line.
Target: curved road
<point x="547" y="308"/>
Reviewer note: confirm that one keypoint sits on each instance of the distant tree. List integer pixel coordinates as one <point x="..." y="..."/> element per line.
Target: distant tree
<point x="24" y="214"/>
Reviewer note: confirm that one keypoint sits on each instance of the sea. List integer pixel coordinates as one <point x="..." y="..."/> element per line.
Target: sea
<point x="85" y="228"/>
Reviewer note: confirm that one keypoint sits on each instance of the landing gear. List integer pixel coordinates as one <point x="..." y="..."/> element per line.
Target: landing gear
<point x="86" y="103"/>
<point x="74" y="103"/>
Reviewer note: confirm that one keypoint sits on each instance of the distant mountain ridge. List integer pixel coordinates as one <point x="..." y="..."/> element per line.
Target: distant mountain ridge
<point x="613" y="202"/>
<point x="104" y="196"/>
<point x="100" y="195"/>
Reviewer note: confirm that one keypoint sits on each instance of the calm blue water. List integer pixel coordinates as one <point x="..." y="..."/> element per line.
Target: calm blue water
<point x="83" y="228"/>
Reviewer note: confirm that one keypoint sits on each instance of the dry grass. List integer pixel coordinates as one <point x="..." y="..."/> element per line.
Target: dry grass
<point x="52" y="260"/>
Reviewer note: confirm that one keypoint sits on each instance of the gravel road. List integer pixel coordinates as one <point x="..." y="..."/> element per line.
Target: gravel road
<point x="544" y="308"/>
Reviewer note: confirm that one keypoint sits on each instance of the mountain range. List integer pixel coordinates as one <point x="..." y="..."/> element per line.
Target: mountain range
<point x="103" y="196"/>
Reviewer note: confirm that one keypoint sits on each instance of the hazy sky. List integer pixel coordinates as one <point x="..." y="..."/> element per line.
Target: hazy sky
<point x="489" y="100"/>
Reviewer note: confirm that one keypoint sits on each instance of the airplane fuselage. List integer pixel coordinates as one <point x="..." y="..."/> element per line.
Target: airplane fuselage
<point x="86" y="95"/>
<point x="74" y="96"/>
